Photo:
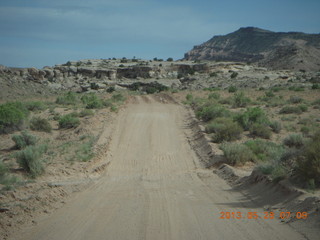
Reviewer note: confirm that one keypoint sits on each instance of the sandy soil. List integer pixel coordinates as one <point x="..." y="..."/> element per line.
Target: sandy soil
<point x="155" y="188"/>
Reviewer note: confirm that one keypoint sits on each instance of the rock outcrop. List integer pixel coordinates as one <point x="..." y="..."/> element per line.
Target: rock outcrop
<point x="275" y="50"/>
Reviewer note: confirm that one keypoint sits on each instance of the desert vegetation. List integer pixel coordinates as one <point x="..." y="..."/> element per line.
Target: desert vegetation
<point x="33" y="127"/>
<point x="276" y="129"/>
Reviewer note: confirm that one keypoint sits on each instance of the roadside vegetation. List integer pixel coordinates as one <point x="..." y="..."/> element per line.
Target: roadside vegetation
<point x="276" y="129"/>
<point x="31" y="126"/>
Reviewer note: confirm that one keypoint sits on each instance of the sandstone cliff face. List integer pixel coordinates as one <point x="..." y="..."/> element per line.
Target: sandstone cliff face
<point x="291" y="50"/>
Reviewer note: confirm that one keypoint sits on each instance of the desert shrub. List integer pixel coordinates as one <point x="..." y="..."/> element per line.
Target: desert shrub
<point x="30" y="159"/>
<point x="86" y="112"/>
<point x="232" y="89"/>
<point x="303" y="107"/>
<point x="265" y="150"/>
<point x="68" y="121"/>
<point x="240" y="100"/>
<point x="279" y="172"/>
<point x="84" y="152"/>
<point x="170" y="59"/>
<point x="118" y="97"/>
<point x="213" y="74"/>
<point x="35" y="106"/>
<point x="69" y="98"/>
<point x="308" y="166"/>
<point x="189" y="97"/>
<point x="295" y="99"/>
<point x="315" y="86"/>
<point x="305" y="130"/>
<point x="275" y="126"/>
<point x="12" y="116"/>
<point x="260" y="130"/>
<point x="6" y="180"/>
<point x="228" y="101"/>
<point x="92" y="101"/>
<point x="237" y="154"/>
<point x="150" y="90"/>
<point x="212" y="111"/>
<point x="224" y="129"/>
<point x="316" y="103"/>
<point x="234" y="75"/>
<point x="111" y="89"/>
<point x="250" y="116"/>
<point x="296" y="88"/>
<point x="294" y="140"/>
<point x="215" y="96"/>
<point x="269" y="94"/>
<point x="40" y="124"/>
<point x="290" y="109"/>
<point x="94" y="86"/>
<point x="114" y="108"/>
<point x="24" y="140"/>
<point x="276" y="89"/>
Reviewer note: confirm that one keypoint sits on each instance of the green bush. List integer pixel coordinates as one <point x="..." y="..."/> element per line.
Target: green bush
<point x="84" y="152"/>
<point x="224" y="129"/>
<point x="315" y="86"/>
<point x="30" y="159"/>
<point x="264" y="150"/>
<point x="86" y="112"/>
<point x="40" y="124"/>
<point x="232" y="89"/>
<point x="35" y="106"/>
<point x="303" y="107"/>
<point x="12" y="116"/>
<point x="91" y="101"/>
<point x="234" y="75"/>
<point x="275" y="126"/>
<point x="213" y="74"/>
<point x="24" y="140"/>
<point x="118" y="97"/>
<point x="240" y="100"/>
<point x="215" y="96"/>
<point x="111" y="89"/>
<point x="68" y="121"/>
<point x="260" y="130"/>
<point x="6" y="180"/>
<point x="290" y="110"/>
<point x="69" y="98"/>
<point x="308" y="166"/>
<point x="294" y="140"/>
<point x="279" y="173"/>
<point x="150" y="90"/>
<point x="296" y="88"/>
<point x="227" y="100"/>
<point x="237" y="154"/>
<point x="189" y="97"/>
<point x="295" y="99"/>
<point x="251" y="116"/>
<point x="269" y="94"/>
<point x="212" y="111"/>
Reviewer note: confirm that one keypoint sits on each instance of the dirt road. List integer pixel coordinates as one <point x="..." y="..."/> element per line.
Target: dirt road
<point x="152" y="190"/>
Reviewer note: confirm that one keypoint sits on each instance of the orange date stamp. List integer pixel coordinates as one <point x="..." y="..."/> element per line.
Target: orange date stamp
<point x="263" y="215"/>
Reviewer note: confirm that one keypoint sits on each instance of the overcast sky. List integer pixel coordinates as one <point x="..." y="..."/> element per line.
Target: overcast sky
<point x="38" y="33"/>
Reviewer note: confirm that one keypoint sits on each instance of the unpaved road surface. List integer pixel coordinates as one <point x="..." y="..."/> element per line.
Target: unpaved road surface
<point x="152" y="189"/>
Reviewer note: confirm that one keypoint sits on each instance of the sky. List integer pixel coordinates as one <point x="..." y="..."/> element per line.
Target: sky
<point x="38" y="33"/>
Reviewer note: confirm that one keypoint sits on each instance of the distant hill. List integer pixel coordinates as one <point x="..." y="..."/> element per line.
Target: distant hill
<point x="275" y="50"/>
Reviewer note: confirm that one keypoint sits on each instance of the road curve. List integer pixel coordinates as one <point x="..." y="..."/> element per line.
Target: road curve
<point x="152" y="190"/>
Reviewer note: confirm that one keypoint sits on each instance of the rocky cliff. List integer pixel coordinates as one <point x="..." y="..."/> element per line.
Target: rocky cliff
<point x="275" y="50"/>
